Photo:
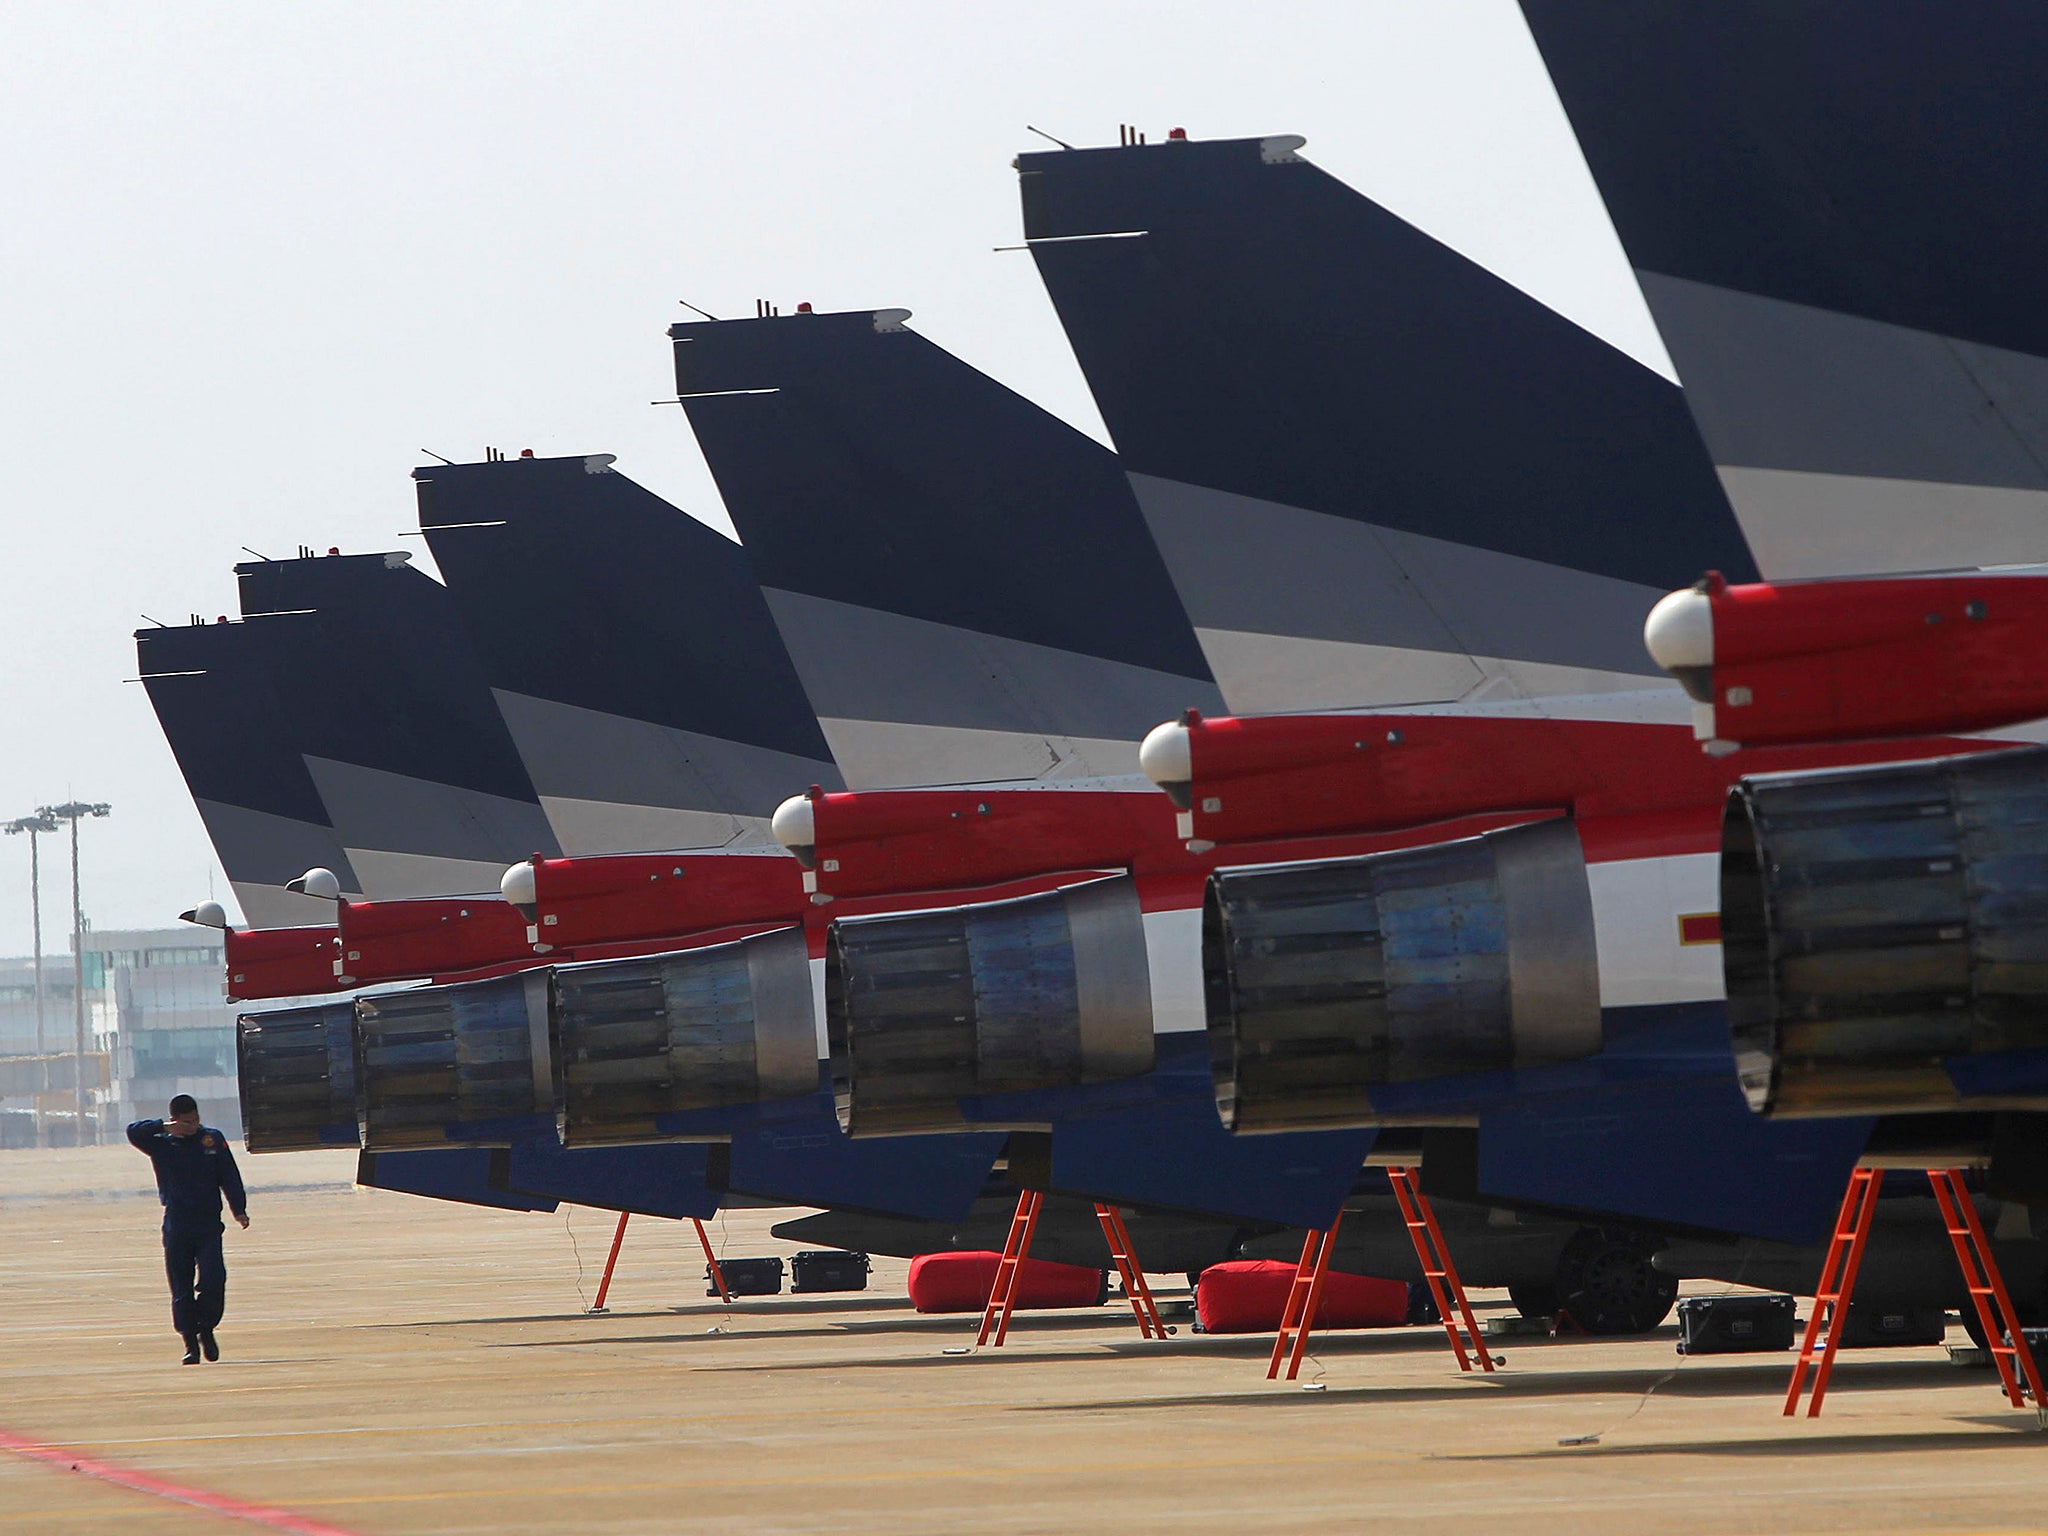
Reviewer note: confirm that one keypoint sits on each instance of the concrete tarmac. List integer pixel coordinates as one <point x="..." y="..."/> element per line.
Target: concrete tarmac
<point x="396" y="1365"/>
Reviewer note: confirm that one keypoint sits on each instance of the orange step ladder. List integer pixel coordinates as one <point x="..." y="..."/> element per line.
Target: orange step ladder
<point x="1002" y="1296"/>
<point x="2008" y="1345"/>
<point x="2009" y="1352"/>
<point x="1304" y="1296"/>
<point x="1136" y="1291"/>
<point x="1831" y="1293"/>
<point x="1445" y="1288"/>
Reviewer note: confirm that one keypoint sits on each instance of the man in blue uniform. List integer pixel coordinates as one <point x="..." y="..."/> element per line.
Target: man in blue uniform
<point x="194" y="1168"/>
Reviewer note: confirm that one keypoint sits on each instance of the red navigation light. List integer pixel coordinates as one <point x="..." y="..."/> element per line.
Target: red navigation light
<point x="1180" y="134"/>
<point x="804" y="308"/>
<point x="334" y="549"/>
<point x="526" y="453"/>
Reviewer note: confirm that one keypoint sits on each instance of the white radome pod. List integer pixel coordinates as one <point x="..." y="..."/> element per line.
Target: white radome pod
<point x="317" y="882"/>
<point x="1167" y="757"/>
<point x="518" y="888"/>
<point x="795" y="826"/>
<point x="1679" y="633"/>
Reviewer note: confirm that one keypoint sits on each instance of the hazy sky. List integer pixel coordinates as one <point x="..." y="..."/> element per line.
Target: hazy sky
<point x="255" y="257"/>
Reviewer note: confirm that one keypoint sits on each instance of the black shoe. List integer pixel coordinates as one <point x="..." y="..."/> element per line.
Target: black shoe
<point x="206" y="1343"/>
<point x="191" y="1349"/>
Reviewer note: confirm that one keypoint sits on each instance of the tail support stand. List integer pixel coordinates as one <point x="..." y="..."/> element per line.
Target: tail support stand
<point x="710" y="1259"/>
<point x="1002" y="1296"/>
<point x="611" y="1263"/>
<point x="1445" y="1288"/>
<point x="1303" y="1298"/>
<point x="1136" y="1291"/>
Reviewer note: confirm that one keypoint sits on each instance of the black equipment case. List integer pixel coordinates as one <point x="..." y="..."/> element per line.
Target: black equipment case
<point x="747" y="1277"/>
<point x="1875" y="1327"/>
<point x="828" y="1269"/>
<point x="1730" y="1325"/>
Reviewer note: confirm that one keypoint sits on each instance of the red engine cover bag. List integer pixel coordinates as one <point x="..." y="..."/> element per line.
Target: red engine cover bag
<point x="960" y="1282"/>
<point x="1248" y="1295"/>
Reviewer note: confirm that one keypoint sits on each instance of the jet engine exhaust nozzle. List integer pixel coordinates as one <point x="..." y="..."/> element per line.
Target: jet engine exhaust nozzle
<point x="637" y="1040"/>
<point x="297" y="1070"/>
<point x="1884" y="936"/>
<point x="461" y="1065"/>
<point x="925" y="1009"/>
<point x="1329" y="981"/>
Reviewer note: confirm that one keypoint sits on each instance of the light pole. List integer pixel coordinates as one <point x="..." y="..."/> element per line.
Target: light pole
<point x="75" y="811"/>
<point x="34" y="825"/>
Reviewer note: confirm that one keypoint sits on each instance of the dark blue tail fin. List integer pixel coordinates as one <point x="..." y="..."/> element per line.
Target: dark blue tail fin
<point x="1379" y="474"/>
<point x="1834" y="211"/>
<point x="963" y="580"/>
<point x="398" y="728"/>
<point x="215" y="689"/>
<point x="630" y="652"/>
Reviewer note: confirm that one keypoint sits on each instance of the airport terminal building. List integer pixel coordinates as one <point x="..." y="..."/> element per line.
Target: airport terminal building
<point x="153" y="1009"/>
<point x="158" y="1011"/>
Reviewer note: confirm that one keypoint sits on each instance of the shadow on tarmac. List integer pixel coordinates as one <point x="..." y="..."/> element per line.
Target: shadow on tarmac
<point x="1789" y="1445"/>
<point x="745" y="1307"/>
<point x="1761" y="1381"/>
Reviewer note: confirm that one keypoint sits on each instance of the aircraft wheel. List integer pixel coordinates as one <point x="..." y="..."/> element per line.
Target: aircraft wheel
<point x="2033" y="1312"/>
<point x="1606" y="1282"/>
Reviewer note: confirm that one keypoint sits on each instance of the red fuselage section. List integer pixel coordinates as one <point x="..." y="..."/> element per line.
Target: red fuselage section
<point x="1852" y="660"/>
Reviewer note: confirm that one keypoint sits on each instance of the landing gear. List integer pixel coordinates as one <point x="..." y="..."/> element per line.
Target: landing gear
<point x="1605" y="1282"/>
<point x="1534" y="1299"/>
<point x="1973" y="1325"/>
<point x="1422" y="1306"/>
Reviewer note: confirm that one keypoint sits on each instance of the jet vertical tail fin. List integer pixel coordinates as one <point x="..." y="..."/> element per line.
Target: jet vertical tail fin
<point x="630" y="651"/>
<point x="215" y="690"/>
<point x="1379" y="474"/>
<point x="1832" y="210"/>
<point x="963" y="580"/>
<point x="389" y="707"/>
